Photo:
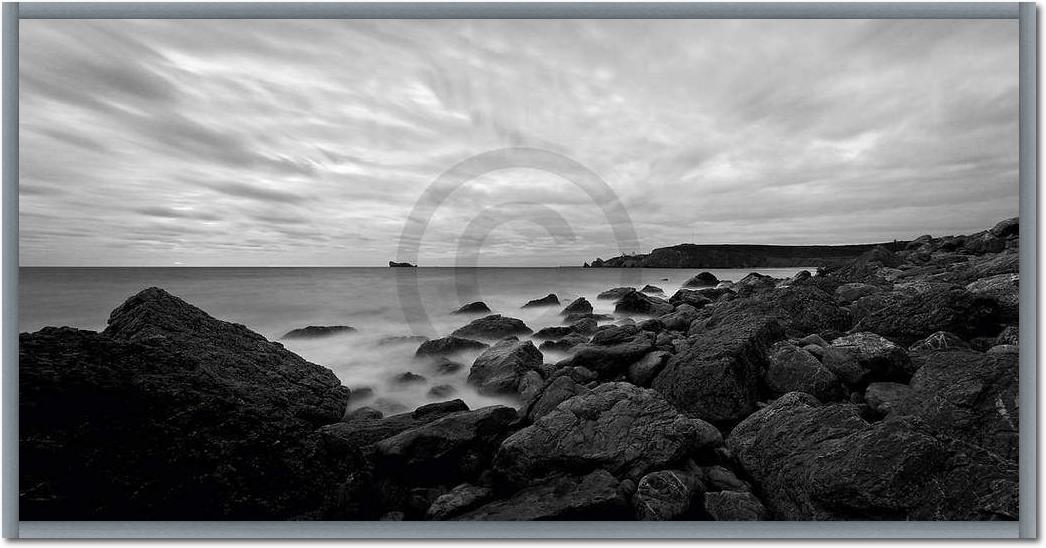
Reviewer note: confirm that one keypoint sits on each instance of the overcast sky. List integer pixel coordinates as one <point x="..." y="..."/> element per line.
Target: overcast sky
<point x="308" y="142"/>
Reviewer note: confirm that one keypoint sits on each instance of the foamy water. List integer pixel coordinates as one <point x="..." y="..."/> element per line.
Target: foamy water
<point x="378" y="302"/>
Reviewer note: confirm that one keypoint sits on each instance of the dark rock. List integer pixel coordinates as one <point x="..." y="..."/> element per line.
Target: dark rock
<point x="643" y="371"/>
<point x="681" y="319"/>
<point x="585" y="326"/>
<point x="754" y="283"/>
<point x="408" y="378"/>
<point x="492" y="328"/>
<point x="1010" y="335"/>
<point x="704" y="279"/>
<point x="1009" y="227"/>
<point x="548" y="300"/>
<point x="734" y="506"/>
<point x="578" y="306"/>
<point x="651" y="289"/>
<point x="363" y="414"/>
<point x="499" y="369"/>
<point x="653" y="325"/>
<point x="696" y="299"/>
<point x="720" y="478"/>
<point x="635" y="302"/>
<point x="561" y="389"/>
<point x="395" y="515"/>
<point x="618" y="427"/>
<point x="478" y="307"/>
<point x="664" y="495"/>
<point x="813" y="339"/>
<point x="460" y="499"/>
<point x="1004" y="288"/>
<point x="596" y="496"/>
<point x="447" y="346"/>
<point x="394" y="264"/>
<point x="863" y="357"/>
<point x="816" y="462"/>
<point x="848" y="293"/>
<point x="1004" y="349"/>
<point x="970" y="396"/>
<point x="906" y="317"/>
<point x="563" y="345"/>
<point x="449" y="450"/>
<point x="318" y="331"/>
<point x="402" y="339"/>
<point x="551" y="333"/>
<point x="882" y="397"/>
<point x="577" y="317"/>
<point x="615" y="293"/>
<point x="941" y="340"/>
<point x="442" y="391"/>
<point x="361" y="393"/>
<point x="443" y="366"/>
<point x="361" y="431"/>
<point x="612" y="350"/>
<point x="791" y="369"/>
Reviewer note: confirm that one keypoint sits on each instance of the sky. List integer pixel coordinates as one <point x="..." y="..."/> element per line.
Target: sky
<point x="313" y="142"/>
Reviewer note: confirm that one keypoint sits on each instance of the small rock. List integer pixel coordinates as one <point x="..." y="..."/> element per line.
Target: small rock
<point x="579" y="306"/>
<point x="664" y="495"/>
<point x="493" y="327"/>
<point x="651" y="289"/>
<point x="548" y="300"/>
<point x="615" y="293"/>
<point x="478" y="307"/>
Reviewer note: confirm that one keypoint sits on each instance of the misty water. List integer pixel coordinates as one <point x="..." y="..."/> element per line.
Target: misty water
<point x="378" y="302"/>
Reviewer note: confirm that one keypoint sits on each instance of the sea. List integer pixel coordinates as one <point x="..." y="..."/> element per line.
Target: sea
<point x="379" y="303"/>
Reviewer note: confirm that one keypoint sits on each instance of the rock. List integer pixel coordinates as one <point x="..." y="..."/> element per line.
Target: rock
<point x="450" y="450"/>
<point x="363" y="414"/>
<point x="492" y="328"/>
<point x="563" y="345"/>
<point x="460" y="499"/>
<point x="499" y="369"/>
<point x="1010" y="335"/>
<point x="612" y="350"/>
<point x="1004" y="288"/>
<point x="969" y="396"/>
<point x="394" y="264"/>
<point x="615" y="293"/>
<point x="643" y="371"/>
<point x="585" y="326"/>
<point x="1009" y="227"/>
<point x="171" y="414"/>
<point x="906" y="318"/>
<point x="717" y="377"/>
<point x="848" y="293"/>
<point x="817" y="462"/>
<point x="720" y="478"/>
<point x="653" y="325"/>
<point x="478" y="307"/>
<point x="556" y="392"/>
<point x="635" y="302"/>
<point x="1004" y="349"/>
<point x="696" y="299"/>
<point x="791" y="369"/>
<point x="652" y="289"/>
<point x="318" y="331"/>
<point x="814" y="339"/>
<point x="941" y="340"/>
<point x="447" y="346"/>
<point x="681" y="319"/>
<point x="360" y="393"/>
<point x="882" y="397"/>
<point x="548" y="300"/>
<point x="442" y="391"/>
<point x="754" y="283"/>
<point x="577" y="317"/>
<point x="361" y="431"/>
<point x="596" y="496"/>
<point x="617" y="427"/>
<point x="408" y="378"/>
<point x="552" y="333"/>
<point x="664" y="495"/>
<point x="578" y="306"/>
<point x="443" y="366"/>
<point x="734" y="506"/>
<point x="704" y="279"/>
<point x="402" y="339"/>
<point x="859" y="358"/>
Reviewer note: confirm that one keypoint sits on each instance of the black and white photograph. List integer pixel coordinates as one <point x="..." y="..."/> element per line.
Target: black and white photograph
<point x="518" y="269"/>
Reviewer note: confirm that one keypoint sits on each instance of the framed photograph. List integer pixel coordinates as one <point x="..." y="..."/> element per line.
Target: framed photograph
<point x="446" y="270"/>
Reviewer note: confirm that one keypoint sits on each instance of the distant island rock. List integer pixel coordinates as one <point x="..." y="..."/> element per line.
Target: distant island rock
<point x="317" y="331"/>
<point x="743" y="256"/>
<point x="394" y="264"/>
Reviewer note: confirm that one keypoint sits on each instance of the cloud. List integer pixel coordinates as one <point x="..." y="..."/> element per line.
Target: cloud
<point x="256" y="142"/>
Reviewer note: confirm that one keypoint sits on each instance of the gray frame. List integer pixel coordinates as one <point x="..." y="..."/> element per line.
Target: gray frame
<point x="1026" y="527"/>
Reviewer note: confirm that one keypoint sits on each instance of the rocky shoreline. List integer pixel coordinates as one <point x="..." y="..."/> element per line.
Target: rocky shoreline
<point x="882" y="388"/>
<point x="742" y="256"/>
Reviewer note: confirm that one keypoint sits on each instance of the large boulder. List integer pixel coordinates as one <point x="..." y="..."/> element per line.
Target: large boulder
<point x="612" y="350"/>
<point x="448" y="346"/>
<point x="817" y="462"/>
<point x="862" y="357"/>
<point x="791" y="369"/>
<point x="359" y="431"/>
<point x="635" y="302"/>
<point x="578" y="306"/>
<point x="500" y="368"/>
<point x="548" y="300"/>
<point x="704" y="279"/>
<point x="171" y="414"/>
<point x="906" y="317"/>
<point x="447" y="451"/>
<point x="694" y="298"/>
<point x="970" y="396"/>
<point x="615" y="293"/>
<point x="1004" y="288"/>
<point x="619" y="427"/>
<point x="492" y="328"/>
<point x="559" y="390"/>
<point x="595" y="496"/>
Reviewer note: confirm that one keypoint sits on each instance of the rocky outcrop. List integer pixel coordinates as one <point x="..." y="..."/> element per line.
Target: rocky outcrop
<point x="907" y="317"/>
<point x="743" y="256"/>
<point x="492" y="328"/>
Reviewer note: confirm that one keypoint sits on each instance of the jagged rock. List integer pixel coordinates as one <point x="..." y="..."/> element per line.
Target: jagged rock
<point x="941" y="340"/>
<point x="447" y="346"/>
<point x="754" y="283"/>
<point x="492" y="328"/>
<point x="882" y="397"/>
<point x="704" y="279"/>
<point x="499" y="369"/>
<point x="970" y="396"/>
<point x="815" y="462"/>
<point x="618" y="427"/>
<point x="548" y="300"/>
<point x="694" y="298"/>
<point x="615" y="293"/>
<point x="559" y="390"/>
<point x="813" y="339"/>
<point x="653" y="325"/>
<point x="664" y="495"/>
<point x="478" y="307"/>
<point x="460" y="499"/>
<point x="635" y="302"/>
<point x="859" y="358"/>
<point x="318" y="331"/>
<point x="578" y="306"/>
<point x="585" y="326"/>
<point x="596" y="496"/>
<point x="171" y="414"/>
<point x="681" y="319"/>
<point x="612" y="350"/>
<point x="450" y="450"/>
<point x="1004" y="288"/>
<point x="363" y="430"/>
<point x="791" y="369"/>
<point x="734" y="506"/>
<point x="848" y="293"/>
<point x="908" y="317"/>
<point x="643" y="371"/>
<point x="652" y="289"/>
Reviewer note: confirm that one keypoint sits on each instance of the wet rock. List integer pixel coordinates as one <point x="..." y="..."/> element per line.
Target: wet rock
<point x="651" y="289"/>
<point x="460" y="499"/>
<point x="883" y="396"/>
<point x="696" y="299"/>
<point x="720" y="478"/>
<point x="596" y="496"/>
<point x="681" y="319"/>
<point x="363" y="430"/>
<point x="612" y="350"/>
<point x="552" y="333"/>
<point x="643" y="371"/>
<point x="618" y="427"/>
<point x="615" y="293"/>
<point x="478" y="307"/>
<point x="585" y="326"/>
<point x="653" y="325"/>
<point x="791" y="369"/>
<point x="561" y="389"/>
<point x="704" y="279"/>
<point x="635" y="302"/>
<point x="906" y="317"/>
<point x="443" y="366"/>
<point x="664" y="495"/>
<point x="734" y="506"/>
<point x="563" y="345"/>
<point x="492" y="328"/>
<point x="318" y="331"/>
<point x="447" y="346"/>
<point x="548" y="300"/>
<point x="499" y="369"/>
<point x="578" y="306"/>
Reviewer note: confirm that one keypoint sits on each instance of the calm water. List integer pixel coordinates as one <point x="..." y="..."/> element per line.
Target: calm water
<point x="379" y="302"/>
